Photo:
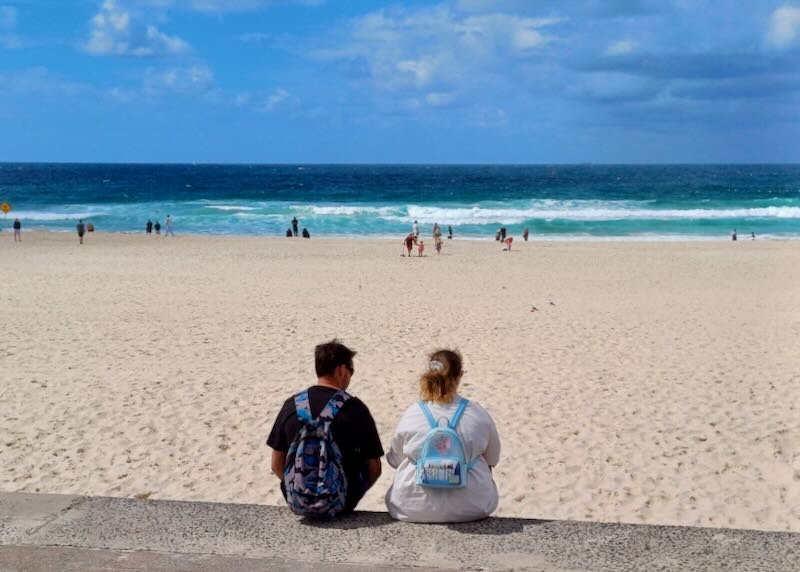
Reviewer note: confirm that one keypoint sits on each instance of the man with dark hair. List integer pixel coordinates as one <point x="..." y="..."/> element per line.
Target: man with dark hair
<point x="352" y="429"/>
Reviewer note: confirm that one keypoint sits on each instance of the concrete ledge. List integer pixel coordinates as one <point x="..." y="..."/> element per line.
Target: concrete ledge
<point x="54" y="532"/>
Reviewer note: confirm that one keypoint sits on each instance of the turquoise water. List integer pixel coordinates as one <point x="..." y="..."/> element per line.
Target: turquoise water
<point x="557" y="202"/>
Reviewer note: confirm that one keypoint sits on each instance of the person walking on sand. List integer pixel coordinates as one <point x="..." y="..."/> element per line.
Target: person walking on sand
<point x="81" y="228"/>
<point x="17" y="230"/>
<point x="437" y="232"/>
<point x="168" y="227"/>
<point x="341" y="454"/>
<point x="295" y="225"/>
<point x="408" y="244"/>
<point x="444" y="474"/>
<point x="421" y="248"/>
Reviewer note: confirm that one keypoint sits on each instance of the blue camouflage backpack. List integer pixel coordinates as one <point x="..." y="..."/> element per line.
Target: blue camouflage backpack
<point x="443" y="461"/>
<point x="314" y="477"/>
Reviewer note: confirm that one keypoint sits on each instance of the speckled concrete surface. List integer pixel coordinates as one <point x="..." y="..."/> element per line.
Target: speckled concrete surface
<point x="274" y="535"/>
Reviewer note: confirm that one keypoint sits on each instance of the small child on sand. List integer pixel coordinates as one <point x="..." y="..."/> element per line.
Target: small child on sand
<point x="421" y="247"/>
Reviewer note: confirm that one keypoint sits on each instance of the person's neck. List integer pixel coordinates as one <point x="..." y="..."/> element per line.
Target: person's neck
<point x="326" y="382"/>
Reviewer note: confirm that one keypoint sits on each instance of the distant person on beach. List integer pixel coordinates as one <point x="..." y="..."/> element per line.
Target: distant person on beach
<point x="421" y="248"/>
<point x="157" y="226"/>
<point x="415" y="229"/>
<point x="408" y="244"/>
<point x="733" y="234"/>
<point x="502" y="234"/>
<point x="438" y="244"/>
<point x="148" y="228"/>
<point x="295" y="224"/>
<point x="168" y="227"/>
<point x="434" y="482"/>
<point x="306" y="234"/>
<point x="449" y="232"/>
<point x="289" y="233"/>
<point x="345" y="421"/>
<point x="17" y="230"/>
<point x="437" y="231"/>
<point x="752" y="236"/>
<point x="525" y="235"/>
<point x="508" y="242"/>
<point x="81" y="228"/>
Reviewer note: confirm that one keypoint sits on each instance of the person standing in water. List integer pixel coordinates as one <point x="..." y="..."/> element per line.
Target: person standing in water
<point x="295" y="225"/>
<point x="449" y="232"/>
<point x="415" y="229"/>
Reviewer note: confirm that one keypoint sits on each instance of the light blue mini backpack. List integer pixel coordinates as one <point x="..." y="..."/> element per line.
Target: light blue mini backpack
<point x="443" y="461"/>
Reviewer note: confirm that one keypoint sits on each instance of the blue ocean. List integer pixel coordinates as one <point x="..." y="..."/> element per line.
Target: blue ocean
<point x="560" y="202"/>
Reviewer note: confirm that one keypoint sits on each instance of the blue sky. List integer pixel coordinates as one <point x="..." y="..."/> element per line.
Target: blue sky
<point x="464" y="81"/>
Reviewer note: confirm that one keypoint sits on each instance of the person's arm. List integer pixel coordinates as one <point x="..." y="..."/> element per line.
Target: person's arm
<point x="279" y="463"/>
<point x="492" y="452"/>
<point x="373" y="471"/>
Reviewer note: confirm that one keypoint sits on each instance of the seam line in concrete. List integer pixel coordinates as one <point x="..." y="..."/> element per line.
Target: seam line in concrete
<point x="74" y="504"/>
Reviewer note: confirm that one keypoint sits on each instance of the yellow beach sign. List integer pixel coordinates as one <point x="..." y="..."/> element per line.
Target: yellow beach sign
<point x="5" y="207"/>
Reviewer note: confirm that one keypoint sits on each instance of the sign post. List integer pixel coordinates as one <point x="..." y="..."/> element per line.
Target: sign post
<point x="5" y="207"/>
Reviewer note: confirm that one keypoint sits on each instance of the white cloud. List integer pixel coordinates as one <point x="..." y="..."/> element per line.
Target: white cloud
<point x="279" y="98"/>
<point x="10" y="41"/>
<point x="620" y="48"/>
<point x="117" y="31"/>
<point x="784" y="25"/>
<point x="8" y="21"/>
<point x="253" y="37"/>
<point x="440" y="99"/>
<point x="40" y="81"/>
<point x="435" y="47"/>
<point x="8" y="17"/>
<point x="197" y="78"/>
<point x="220" y="6"/>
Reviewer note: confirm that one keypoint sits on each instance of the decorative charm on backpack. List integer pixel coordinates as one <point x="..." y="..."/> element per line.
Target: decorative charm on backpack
<point x="443" y="462"/>
<point x="314" y="478"/>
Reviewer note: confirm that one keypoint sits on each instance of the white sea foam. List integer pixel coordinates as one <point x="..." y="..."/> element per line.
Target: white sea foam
<point x="230" y="208"/>
<point x="350" y="210"/>
<point x="55" y="216"/>
<point x="486" y="215"/>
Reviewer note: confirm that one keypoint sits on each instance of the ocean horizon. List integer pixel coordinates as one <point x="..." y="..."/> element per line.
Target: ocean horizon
<point x="554" y="202"/>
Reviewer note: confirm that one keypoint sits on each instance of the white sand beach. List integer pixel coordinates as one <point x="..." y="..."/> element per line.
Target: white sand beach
<point x="655" y="383"/>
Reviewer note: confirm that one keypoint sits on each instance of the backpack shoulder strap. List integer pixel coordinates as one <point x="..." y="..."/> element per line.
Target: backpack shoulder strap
<point x="459" y="412"/>
<point x="335" y="403"/>
<point x="302" y="406"/>
<point x="429" y="416"/>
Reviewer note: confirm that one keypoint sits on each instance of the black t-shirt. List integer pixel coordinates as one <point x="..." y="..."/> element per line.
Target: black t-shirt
<point x="353" y="430"/>
<point x="17" y="225"/>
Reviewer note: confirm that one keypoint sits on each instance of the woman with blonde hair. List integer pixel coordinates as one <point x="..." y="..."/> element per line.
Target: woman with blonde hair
<point x="431" y="484"/>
